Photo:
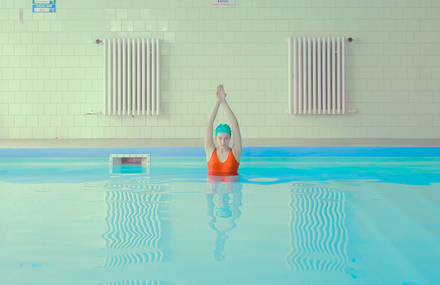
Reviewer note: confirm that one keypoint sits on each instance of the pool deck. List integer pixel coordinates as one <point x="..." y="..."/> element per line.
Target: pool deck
<point x="54" y="143"/>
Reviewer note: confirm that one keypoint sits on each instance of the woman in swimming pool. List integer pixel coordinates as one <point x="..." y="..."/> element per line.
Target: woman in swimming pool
<point x="223" y="160"/>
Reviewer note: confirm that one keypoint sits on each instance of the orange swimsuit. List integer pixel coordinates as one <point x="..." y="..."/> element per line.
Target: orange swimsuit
<point x="218" y="168"/>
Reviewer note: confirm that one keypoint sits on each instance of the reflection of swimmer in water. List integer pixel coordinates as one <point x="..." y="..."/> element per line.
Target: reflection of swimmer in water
<point x="223" y="160"/>
<point x="224" y="201"/>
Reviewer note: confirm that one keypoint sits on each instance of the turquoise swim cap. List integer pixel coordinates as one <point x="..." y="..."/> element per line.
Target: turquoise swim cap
<point x="223" y="128"/>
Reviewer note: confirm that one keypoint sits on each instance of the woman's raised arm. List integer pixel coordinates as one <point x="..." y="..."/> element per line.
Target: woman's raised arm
<point x="235" y="129"/>
<point x="209" y="141"/>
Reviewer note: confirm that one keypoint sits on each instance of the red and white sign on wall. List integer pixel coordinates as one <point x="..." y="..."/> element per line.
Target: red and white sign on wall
<point x="223" y="3"/>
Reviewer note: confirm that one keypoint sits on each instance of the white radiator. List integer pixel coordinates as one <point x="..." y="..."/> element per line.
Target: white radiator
<point x="317" y="75"/>
<point x="132" y="83"/>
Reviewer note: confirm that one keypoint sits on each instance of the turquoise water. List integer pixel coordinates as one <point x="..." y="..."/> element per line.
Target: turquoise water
<point x="307" y="219"/>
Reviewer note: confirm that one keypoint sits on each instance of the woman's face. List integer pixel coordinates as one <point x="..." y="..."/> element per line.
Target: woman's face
<point x="223" y="140"/>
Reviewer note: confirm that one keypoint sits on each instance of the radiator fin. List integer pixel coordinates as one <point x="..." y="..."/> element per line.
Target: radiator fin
<point x="316" y="75"/>
<point x="132" y="81"/>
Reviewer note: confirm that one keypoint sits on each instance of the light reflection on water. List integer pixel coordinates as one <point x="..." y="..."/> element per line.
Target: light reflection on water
<point x="158" y="229"/>
<point x="224" y="201"/>
<point x="318" y="230"/>
<point x="137" y="209"/>
<point x="134" y="218"/>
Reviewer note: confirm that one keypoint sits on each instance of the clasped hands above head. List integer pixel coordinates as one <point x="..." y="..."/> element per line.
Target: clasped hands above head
<point x="221" y="95"/>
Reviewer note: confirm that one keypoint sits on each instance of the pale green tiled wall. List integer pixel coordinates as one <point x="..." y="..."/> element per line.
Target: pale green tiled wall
<point x="51" y="71"/>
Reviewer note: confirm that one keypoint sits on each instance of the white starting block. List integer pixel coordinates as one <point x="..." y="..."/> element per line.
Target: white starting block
<point x="129" y="164"/>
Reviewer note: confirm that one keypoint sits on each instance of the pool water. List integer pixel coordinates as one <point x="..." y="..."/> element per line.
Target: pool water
<point x="307" y="219"/>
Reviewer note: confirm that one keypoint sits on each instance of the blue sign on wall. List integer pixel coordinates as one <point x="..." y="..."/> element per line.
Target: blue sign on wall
<point x="44" y="6"/>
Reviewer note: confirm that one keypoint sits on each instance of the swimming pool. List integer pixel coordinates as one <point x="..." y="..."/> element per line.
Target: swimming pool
<point x="296" y="216"/>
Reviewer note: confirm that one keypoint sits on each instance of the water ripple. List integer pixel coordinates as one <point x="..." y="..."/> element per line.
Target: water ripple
<point x="133" y="222"/>
<point x="318" y="233"/>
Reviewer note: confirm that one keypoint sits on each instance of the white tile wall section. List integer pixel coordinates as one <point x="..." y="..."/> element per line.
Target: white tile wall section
<point x="51" y="69"/>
